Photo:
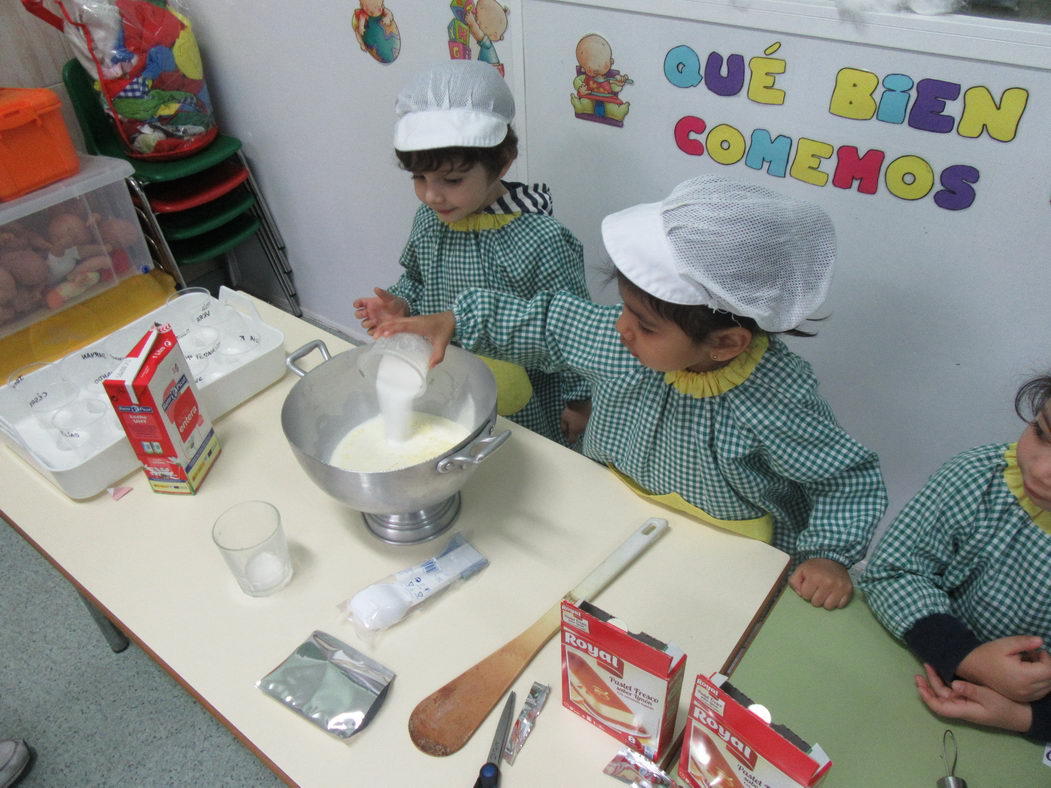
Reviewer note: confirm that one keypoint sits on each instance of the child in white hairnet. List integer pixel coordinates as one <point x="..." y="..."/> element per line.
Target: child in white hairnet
<point x="476" y="230"/>
<point x="696" y="400"/>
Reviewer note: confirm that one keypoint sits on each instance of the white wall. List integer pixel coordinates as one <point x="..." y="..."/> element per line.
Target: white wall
<point x="936" y="315"/>
<point x="316" y="116"/>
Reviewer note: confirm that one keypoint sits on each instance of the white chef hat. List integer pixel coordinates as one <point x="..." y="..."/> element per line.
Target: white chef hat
<point x="459" y="103"/>
<point x="732" y="246"/>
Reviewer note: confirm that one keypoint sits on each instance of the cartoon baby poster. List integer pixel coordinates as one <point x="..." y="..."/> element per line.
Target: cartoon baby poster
<point x="597" y="84"/>
<point x="376" y="31"/>
<point x="474" y="29"/>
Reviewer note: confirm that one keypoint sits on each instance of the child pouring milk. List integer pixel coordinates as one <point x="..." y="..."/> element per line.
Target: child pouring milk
<point x="476" y="230"/>
<point x="696" y="400"/>
<point x="963" y="576"/>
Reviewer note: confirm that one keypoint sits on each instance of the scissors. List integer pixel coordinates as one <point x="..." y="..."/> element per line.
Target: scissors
<point x="489" y="774"/>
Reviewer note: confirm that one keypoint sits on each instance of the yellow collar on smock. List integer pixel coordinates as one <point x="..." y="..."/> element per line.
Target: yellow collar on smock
<point x="719" y="381"/>
<point x="1013" y="477"/>
<point x="483" y="221"/>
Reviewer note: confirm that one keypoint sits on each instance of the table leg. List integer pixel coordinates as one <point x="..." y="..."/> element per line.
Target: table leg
<point x="116" y="639"/>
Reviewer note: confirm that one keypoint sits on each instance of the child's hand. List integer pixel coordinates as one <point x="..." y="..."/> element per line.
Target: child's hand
<point x="575" y="418"/>
<point x="1017" y="667"/>
<point x="823" y="583"/>
<point x="972" y="702"/>
<point x="438" y="328"/>
<point x="373" y="311"/>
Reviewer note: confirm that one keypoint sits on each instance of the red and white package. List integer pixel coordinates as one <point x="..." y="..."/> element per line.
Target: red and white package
<point x="154" y="396"/>
<point x="626" y="684"/>
<point x="726" y="745"/>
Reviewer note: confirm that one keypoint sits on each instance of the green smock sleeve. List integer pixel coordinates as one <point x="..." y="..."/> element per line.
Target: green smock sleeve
<point x="905" y="580"/>
<point x="410" y="284"/>
<point x="840" y="478"/>
<point x="535" y="333"/>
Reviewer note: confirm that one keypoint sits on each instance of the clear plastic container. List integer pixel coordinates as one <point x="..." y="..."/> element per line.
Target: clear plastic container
<point x="83" y="455"/>
<point x="67" y="242"/>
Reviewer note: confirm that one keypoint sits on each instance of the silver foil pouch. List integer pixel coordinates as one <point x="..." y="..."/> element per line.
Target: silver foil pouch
<point x="333" y="685"/>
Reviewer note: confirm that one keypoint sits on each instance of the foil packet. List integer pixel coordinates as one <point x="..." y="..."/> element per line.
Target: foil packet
<point x="523" y="726"/>
<point x="336" y="687"/>
<point x="638" y="771"/>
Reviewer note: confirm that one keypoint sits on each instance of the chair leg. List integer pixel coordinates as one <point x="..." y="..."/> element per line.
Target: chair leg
<point x="164" y="253"/>
<point x="271" y="241"/>
<point x="279" y="263"/>
<point x="117" y="640"/>
<point x="284" y="281"/>
<point x="266" y="216"/>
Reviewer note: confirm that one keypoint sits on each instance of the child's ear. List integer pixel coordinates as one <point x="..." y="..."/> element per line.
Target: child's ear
<point x="731" y="342"/>
<point x="506" y="167"/>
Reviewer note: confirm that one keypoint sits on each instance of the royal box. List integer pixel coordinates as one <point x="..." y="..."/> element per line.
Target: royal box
<point x="625" y="683"/>
<point x="154" y="396"/>
<point x="726" y="745"/>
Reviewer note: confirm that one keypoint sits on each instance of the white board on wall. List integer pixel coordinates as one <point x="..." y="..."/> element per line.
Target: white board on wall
<point x="941" y="305"/>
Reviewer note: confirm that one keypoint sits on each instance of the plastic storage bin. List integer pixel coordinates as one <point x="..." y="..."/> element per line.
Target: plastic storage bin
<point x="35" y="148"/>
<point x="256" y="359"/>
<point x="67" y="242"/>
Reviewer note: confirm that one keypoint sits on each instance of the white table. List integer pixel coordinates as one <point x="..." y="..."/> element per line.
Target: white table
<point x="543" y="515"/>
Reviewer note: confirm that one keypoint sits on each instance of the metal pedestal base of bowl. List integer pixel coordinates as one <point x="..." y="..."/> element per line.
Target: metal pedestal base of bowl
<point x="414" y="527"/>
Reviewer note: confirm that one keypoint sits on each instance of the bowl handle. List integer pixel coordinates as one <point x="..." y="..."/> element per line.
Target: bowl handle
<point x="475" y="454"/>
<point x="295" y="355"/>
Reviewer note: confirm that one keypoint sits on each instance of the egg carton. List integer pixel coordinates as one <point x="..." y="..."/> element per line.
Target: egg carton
<point x="83" y="477"/>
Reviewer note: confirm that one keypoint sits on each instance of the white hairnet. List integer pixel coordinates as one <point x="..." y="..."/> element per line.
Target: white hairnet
<point x="732" y="246"/>
<point x="459" y="103"/>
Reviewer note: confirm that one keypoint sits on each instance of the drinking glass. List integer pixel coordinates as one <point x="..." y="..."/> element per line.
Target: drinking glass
<point x="250" y="537"/>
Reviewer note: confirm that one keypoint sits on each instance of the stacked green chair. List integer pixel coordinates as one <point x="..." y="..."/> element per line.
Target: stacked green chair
<point x="192" y="209"/>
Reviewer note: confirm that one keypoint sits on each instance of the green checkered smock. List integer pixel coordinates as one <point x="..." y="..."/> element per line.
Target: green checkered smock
<point x="964" y="547"/>
<point x="768" y="445"/>
<point x="530" y="253"/>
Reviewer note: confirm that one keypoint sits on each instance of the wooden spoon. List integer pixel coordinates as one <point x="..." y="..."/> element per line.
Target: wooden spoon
<point x="442" y="722"/>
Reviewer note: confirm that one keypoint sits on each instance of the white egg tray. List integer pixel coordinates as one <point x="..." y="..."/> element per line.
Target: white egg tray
<point x="85" y="477"/>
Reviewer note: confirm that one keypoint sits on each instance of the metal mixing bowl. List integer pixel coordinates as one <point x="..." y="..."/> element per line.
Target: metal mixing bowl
<point x="408" y="505"/>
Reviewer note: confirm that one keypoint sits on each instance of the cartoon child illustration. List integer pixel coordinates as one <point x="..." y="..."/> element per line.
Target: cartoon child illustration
<point x="597" y="83"/>
<point x="485" y="21"/>
<point x="376" y="31"/>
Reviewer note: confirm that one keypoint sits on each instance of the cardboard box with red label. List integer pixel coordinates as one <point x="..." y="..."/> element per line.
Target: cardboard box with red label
<point x="153" y="393"/>
<point x="626" y="684"/>
<point x="727" y="745"/>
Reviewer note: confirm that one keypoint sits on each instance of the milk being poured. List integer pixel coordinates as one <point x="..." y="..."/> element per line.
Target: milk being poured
<point x="365" y="449"/>
<point x="397" y="384"/>
<point x="398" y="437"/>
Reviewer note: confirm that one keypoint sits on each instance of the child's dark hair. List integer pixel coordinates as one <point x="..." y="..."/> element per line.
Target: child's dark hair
<point x="696" y="321"/>
<point x="1032" y="397"/>
<point x="493" y="159"/>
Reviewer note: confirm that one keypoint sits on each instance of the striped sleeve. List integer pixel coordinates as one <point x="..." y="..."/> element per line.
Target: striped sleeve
<point x="542" y="333"/>
<point x="410" y="284"/>
<point x="904" y="579"/>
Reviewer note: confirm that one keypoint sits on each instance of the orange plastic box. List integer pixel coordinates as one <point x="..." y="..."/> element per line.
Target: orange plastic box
<point x="35" y="148"/>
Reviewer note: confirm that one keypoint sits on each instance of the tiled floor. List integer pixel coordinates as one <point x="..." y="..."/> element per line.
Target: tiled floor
<point x="95" y="718"/>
